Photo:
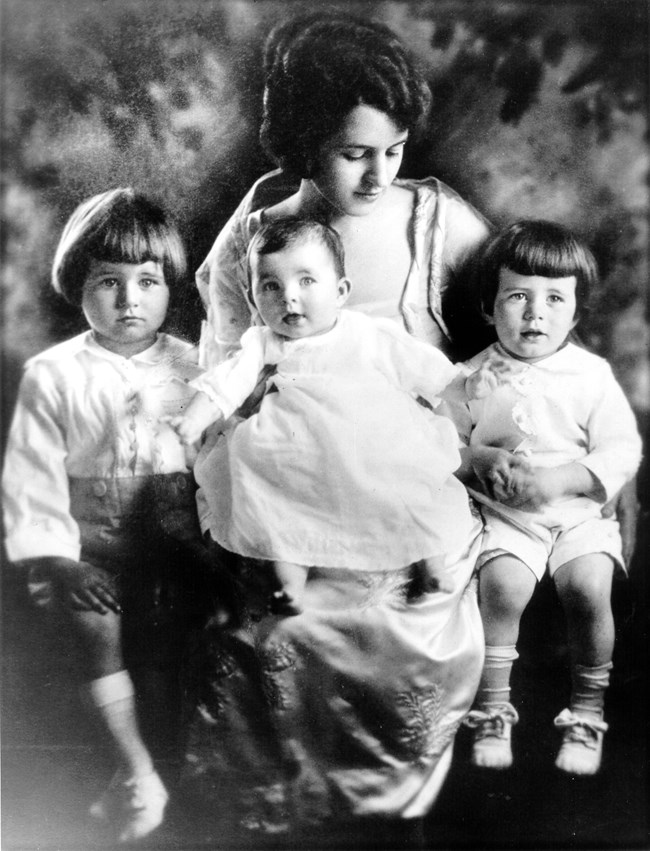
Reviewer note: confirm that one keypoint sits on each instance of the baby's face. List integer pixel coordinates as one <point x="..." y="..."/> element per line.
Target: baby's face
<point x="125" y="304"/>
<point x="297" y="291"/>
<point x="533" y="315"/>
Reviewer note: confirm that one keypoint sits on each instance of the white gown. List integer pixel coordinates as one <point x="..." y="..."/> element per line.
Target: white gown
<point x="341" y="466"/>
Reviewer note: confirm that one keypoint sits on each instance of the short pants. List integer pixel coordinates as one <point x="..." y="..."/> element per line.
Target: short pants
<point x="549" y="548"/>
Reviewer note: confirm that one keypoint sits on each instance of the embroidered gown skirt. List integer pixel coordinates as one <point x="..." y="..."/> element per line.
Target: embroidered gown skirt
<point x="349" y="709"/>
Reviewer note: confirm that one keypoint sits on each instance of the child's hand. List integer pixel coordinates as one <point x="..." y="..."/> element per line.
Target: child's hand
<point x="500" y="472"/>
<point x="84" y="586"/>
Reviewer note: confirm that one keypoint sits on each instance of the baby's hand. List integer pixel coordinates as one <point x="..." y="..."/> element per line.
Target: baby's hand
<point x="84" y="586"/>
<point x="187" y="428"/>
<point x="201" y="412"/>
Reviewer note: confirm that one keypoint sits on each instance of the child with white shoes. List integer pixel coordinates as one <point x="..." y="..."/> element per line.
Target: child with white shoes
<point x="550" y="438"/>
<point x="342" y="467"/>
<point x="98" y="496"/>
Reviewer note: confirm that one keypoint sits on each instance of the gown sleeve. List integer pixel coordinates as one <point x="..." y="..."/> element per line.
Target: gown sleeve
<point x="229" y="383"/>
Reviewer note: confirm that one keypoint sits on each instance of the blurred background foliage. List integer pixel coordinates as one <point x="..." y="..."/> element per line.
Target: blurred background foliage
<point x="540" y="109"/>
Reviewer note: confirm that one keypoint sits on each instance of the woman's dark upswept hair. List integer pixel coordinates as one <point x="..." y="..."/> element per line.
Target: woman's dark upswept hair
<point x="538" y="247"/>
<point x="118" y="226"/>
<point x="317" y="69"/>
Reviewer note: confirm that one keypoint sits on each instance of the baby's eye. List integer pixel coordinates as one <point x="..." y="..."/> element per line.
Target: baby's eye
<point x="270" y="287"/>
<point x="307" y="281"/>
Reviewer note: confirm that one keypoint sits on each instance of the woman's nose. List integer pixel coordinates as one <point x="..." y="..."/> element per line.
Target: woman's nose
<point x="378" y="171"/>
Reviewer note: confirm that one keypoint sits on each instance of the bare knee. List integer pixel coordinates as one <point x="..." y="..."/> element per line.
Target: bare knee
<point x="584" y="585"/>
<point x="506" y="586"/>
<point x="100" y="637"/>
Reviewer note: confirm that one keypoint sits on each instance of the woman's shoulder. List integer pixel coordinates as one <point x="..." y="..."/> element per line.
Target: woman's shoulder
<point x="431" y="193"/>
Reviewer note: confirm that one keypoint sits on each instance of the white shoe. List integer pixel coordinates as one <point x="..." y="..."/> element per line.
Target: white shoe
<point x="137" y="805"/>
<point x="492" y="727"/>
<point x="582" y="745"/>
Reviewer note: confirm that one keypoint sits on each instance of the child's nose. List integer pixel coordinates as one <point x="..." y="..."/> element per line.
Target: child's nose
<point x="129" y="294"/>
<point x="534" y="309"/>
<point x="290" y="294"/>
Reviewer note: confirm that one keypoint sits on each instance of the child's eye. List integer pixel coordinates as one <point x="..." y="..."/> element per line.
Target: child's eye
<point x="108" y="283"/>
<point x="146" y="283"/>
<point x="270" y="287"/>
<point x="307" y="281"/>
<point x="517" y="296"/>
<point x="555" y="299"/>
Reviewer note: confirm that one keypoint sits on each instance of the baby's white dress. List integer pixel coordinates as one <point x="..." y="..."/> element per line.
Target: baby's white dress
<point x="341" y="466"/>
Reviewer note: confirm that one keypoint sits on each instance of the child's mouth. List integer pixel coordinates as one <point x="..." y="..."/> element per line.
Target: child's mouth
<point x="292" y="318"/>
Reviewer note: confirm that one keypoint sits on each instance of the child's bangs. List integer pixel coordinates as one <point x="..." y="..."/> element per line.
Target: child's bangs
<point x="132" y="244"/>
<point x="548" y="261"/>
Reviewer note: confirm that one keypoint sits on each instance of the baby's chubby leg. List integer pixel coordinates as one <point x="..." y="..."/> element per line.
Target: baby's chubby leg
<point x="291" y="578"/>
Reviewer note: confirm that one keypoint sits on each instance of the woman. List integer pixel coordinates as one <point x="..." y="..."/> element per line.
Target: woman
<point x="351" y="708"/>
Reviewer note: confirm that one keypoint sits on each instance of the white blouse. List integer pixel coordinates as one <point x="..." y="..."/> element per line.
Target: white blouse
<point x="85" y="412"/>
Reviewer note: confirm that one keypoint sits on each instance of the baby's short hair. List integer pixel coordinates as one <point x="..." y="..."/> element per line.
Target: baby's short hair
<point x="283" y="233"/>
<point x="538" y="247"/>
<point x="118" y="226"/>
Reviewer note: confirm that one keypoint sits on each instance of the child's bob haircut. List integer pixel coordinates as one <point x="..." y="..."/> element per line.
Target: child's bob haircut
<point x="538" y="247"/>
<point x="283" y="233"/>
<point x="118" y="226"/>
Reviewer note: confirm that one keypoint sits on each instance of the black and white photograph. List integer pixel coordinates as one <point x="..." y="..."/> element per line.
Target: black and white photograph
<point x="325" y="411"/>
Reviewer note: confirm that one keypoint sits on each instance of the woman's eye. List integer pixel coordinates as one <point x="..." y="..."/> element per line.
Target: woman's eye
<point x="353" y="157"/>
<point x="395" y="152"/>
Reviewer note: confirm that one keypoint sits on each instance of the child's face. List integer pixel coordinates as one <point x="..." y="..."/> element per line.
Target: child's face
<point x="125" y="304"/>
<point x="297" y="291"/>
<point x="533" y="315"/>
<point x="360" y="161"/>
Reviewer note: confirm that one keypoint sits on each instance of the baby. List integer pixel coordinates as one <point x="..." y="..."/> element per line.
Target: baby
<point x="341" y="467"/>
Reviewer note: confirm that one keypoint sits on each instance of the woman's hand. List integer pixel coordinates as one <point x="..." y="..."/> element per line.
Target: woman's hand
<point x="83" y="586"/>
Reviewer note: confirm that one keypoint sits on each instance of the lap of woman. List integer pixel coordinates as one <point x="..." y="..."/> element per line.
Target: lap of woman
<point x="350" y="708"/>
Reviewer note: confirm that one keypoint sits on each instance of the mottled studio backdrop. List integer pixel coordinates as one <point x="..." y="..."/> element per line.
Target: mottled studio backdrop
<point x="540" y="109"/>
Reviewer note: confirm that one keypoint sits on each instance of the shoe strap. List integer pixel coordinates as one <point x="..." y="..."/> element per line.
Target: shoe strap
<point x="567" y="719"/>
<point x="494" y="715"/>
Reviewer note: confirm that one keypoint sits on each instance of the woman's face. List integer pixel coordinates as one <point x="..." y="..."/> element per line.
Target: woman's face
<point x="359" y="162"/>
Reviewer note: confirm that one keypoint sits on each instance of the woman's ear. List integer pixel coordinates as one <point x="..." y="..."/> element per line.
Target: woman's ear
<point x="343" y="288"/>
